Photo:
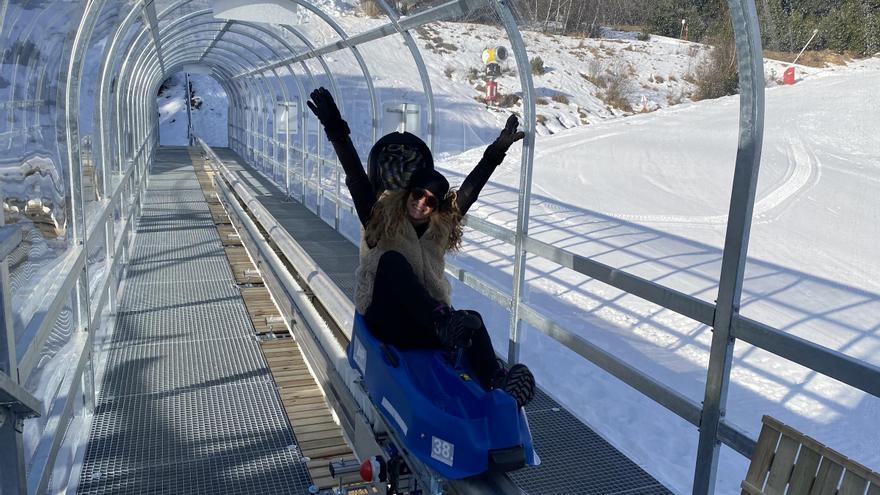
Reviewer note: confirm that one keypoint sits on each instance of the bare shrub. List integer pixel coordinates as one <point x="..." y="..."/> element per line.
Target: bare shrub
<point x="507" y="101"/>
<point x="618" y="88"/>
<point x="540" y="119"/>
<point x="537" y="64"/>
<point x="643" y="36"/>
<point x="719" y="75"/>
<point x="370" y="8"/>
<point x="448" y="72"/>
<point x="583" y="116"/>
<point x="659" y="79"/>
<point x="675" y="98"/>
<point x="504" y="101"/>
<point x="596" y="67"/>
<point x="473" y="74"/>
<point x="541" y="101"/>
<point x="560" y="98"/>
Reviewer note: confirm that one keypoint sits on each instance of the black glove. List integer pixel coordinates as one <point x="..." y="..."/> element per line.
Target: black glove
<point x="328" y="113"/>
<point x="507" y="137"/>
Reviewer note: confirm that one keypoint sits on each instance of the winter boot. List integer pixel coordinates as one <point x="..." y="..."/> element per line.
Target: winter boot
<point x="517" y="381"/>
<point x="455" y="328"/>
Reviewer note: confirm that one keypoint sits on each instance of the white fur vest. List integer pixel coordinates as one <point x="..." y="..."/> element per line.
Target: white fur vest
<point x="425" y="255"/>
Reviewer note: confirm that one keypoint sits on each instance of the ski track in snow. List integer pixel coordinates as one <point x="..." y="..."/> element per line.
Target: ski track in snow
<point x="804" y="172"/>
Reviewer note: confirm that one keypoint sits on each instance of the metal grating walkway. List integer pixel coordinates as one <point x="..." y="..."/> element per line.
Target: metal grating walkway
<point x="574" y="458"/>
<point x="187" y="404"/>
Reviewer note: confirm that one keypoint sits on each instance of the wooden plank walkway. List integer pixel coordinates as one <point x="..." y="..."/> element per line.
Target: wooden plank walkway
<point x="318" y="435"/>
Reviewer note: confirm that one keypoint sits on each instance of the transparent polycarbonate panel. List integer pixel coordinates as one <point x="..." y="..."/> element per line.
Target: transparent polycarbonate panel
<point x="292" y="36"/>
<point x="317" y="31"/>
<point x="210" y="110"/>
<point x="58" y="358"/>
<point x="34" y="181"/>
<point x="113" y="126"/>
<point x="166" y="14"/>
<point x="244" y="42"/>
<point x="288" y="128"/>
<point x="403" y="104"/>
<point x="171" y="103"/>
<point x="64" y="479"/>
<point x="186" y="38"/>
<point x="262" y="115"/>
<point x="96" y="266"/>
<point x="312" y="197"/>
<point x="90" y="153"/>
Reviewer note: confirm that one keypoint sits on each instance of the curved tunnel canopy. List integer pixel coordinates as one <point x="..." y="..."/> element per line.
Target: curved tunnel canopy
<point x="642" y="205"/>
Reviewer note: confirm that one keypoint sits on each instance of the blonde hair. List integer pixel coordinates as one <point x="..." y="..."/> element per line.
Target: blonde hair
<point x="389" y="218"/>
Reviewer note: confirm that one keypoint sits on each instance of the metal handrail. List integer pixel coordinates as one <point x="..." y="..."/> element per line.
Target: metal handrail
<point x="19" y="400"/>
<point x="39" y="328"/>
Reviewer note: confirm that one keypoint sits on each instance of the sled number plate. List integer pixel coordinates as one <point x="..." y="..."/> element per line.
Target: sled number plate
<point x="442" y="450"/>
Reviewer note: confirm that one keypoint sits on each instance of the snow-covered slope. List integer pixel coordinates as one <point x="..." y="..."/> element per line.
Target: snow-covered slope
<point x="209" y="119"/>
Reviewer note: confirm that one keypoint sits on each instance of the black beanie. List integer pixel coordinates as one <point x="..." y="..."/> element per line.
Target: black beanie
<point x="430" y="179"/>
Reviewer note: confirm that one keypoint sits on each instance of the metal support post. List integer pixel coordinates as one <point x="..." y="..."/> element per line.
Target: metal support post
<point x="287" y="149"/>
<point x="12" y="466"/>
<point x="15" y="403"/>
<point x="189" y="126"/>
<point x="525" y="180"/>
<point x="742" y="200"/>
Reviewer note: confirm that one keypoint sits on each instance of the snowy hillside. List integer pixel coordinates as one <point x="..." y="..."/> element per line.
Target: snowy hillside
<point x="649" y="193"/>
<point x="209" y="118"/>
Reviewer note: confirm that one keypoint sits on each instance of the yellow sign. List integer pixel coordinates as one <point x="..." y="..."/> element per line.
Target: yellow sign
<point x="488" y="55"/>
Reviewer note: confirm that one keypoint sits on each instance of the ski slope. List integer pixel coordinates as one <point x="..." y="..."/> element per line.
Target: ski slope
<point x="649" y="194"/>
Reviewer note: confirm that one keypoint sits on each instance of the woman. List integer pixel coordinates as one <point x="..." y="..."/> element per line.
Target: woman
<point x="402" y="289"/>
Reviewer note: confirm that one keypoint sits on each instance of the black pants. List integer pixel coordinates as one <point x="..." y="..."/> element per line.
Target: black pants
<point x="402" y="314"/>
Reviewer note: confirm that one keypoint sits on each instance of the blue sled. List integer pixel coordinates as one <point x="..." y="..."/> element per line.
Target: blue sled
<point x="445" y="418"/>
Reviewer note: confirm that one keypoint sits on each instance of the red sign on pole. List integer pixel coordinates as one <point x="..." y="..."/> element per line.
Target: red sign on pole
<point x="491" y="90"/>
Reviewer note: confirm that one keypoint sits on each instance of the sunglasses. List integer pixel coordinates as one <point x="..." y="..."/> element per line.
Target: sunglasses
<point x="430" y="200"/>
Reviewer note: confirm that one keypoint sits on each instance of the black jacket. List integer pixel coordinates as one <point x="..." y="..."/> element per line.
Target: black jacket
<point x="364" y="196"/>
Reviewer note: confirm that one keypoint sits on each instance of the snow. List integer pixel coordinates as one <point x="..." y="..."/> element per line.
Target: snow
<point x="649" y="193"/>
<point x="209" y="121"/>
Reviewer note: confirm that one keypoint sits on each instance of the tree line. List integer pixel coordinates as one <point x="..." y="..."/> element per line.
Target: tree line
<point x="786" y="25"/>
